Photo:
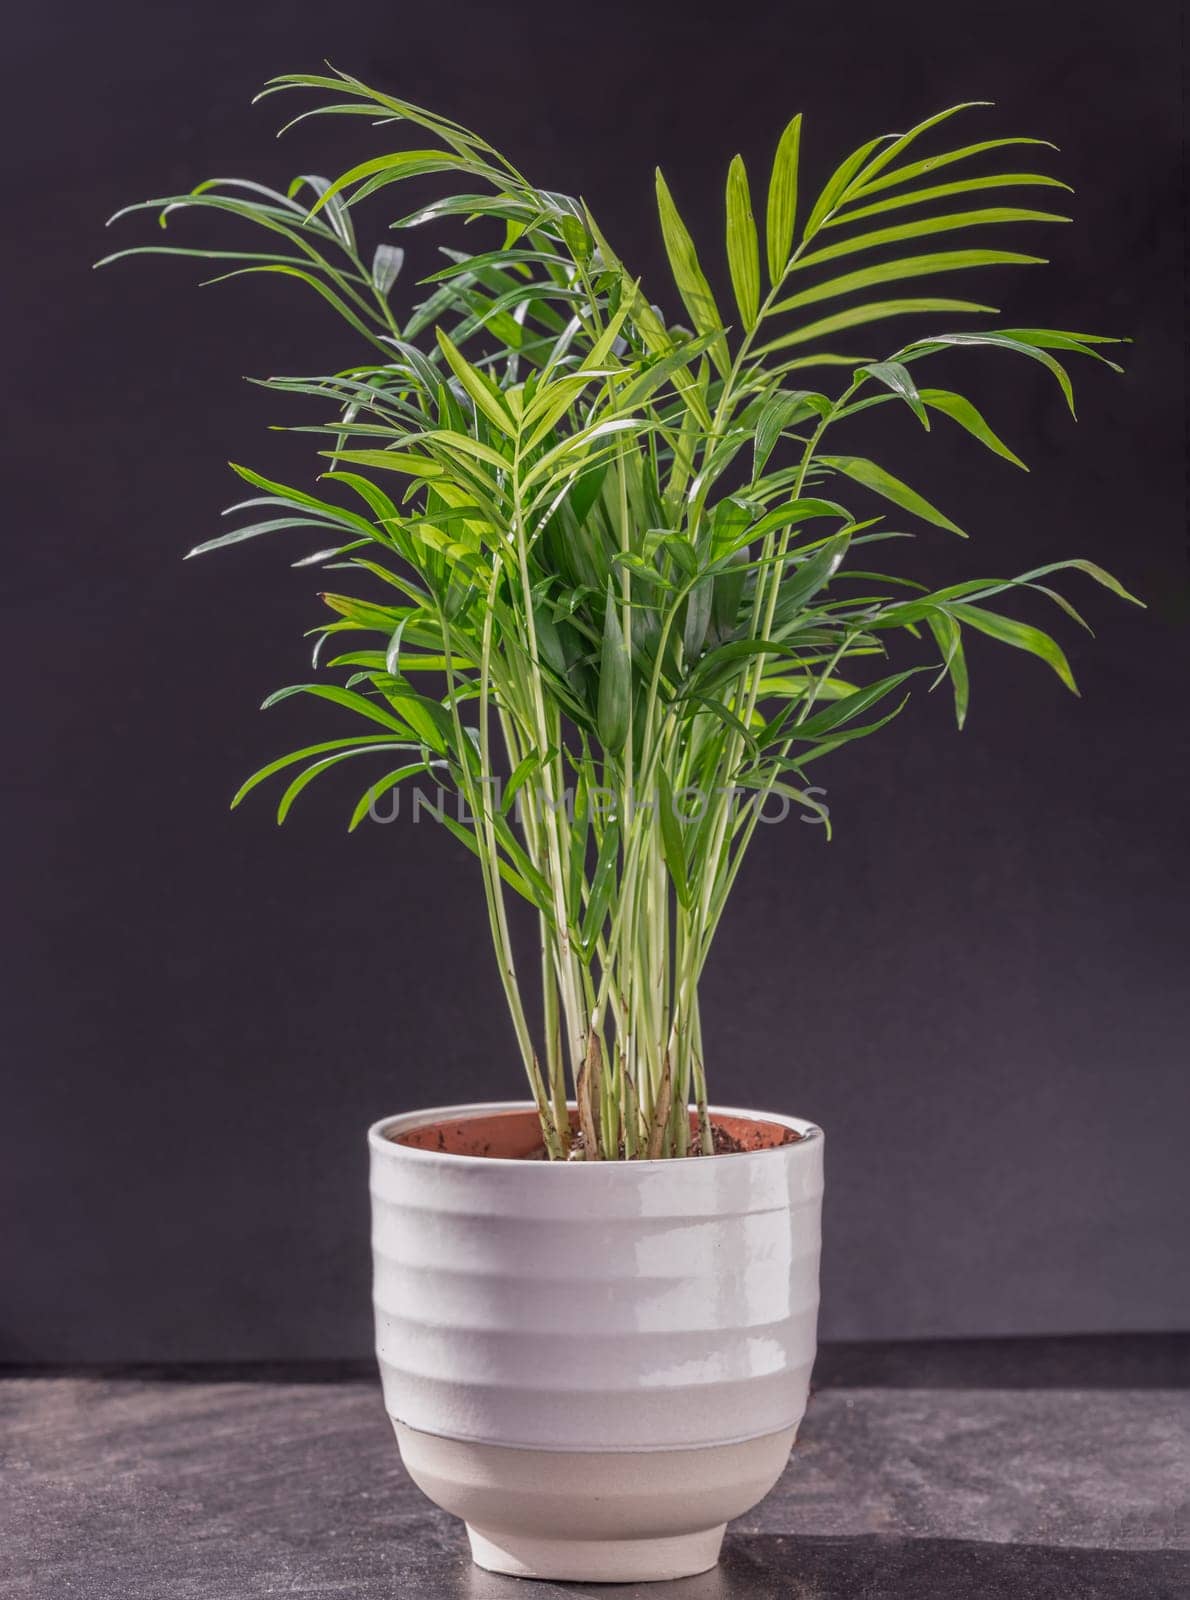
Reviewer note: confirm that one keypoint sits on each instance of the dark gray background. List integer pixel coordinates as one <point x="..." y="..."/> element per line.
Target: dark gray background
<point x="979" y="987"/>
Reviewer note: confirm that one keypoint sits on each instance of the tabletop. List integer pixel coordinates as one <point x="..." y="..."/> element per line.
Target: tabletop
<point x="1022" y="1469"/>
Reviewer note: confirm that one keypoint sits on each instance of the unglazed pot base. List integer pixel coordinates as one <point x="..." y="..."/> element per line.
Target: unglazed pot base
<point x="598" y="1560"/>
<point x="594" y="1516"/>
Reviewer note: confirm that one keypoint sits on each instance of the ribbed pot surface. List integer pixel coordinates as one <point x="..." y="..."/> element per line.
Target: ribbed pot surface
<point x="595" y="1305"/>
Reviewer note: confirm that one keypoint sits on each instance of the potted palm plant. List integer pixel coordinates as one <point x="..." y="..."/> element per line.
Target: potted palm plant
<point x="611" y="591"/>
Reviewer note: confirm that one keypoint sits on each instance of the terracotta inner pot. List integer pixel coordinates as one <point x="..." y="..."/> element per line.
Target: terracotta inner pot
<point x="516" y="1135"/>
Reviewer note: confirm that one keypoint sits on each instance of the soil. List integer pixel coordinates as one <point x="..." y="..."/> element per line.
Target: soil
<point x="516" y="1136"/>
<point x="726" y="1143"/>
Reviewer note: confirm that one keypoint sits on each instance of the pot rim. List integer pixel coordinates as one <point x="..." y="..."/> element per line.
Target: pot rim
<point x="380" y="1144"/>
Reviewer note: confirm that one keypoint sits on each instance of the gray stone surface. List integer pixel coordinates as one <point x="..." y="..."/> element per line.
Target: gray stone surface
<point x="134" y="1489"/>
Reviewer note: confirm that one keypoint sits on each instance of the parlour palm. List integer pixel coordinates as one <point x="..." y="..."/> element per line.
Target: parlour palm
<point x="607" y="568"/>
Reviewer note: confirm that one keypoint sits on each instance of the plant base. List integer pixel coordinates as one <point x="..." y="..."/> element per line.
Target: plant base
<point x="594" y="1516"/>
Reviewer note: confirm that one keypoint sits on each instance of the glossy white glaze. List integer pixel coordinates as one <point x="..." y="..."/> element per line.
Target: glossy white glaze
<point x="603" y="1306"/>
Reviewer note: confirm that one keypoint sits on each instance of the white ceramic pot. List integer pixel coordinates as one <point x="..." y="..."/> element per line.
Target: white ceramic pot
<point x="596" y="1365"/>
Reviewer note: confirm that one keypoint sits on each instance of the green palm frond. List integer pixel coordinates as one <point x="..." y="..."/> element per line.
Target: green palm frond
<point x="610" y="588"/>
